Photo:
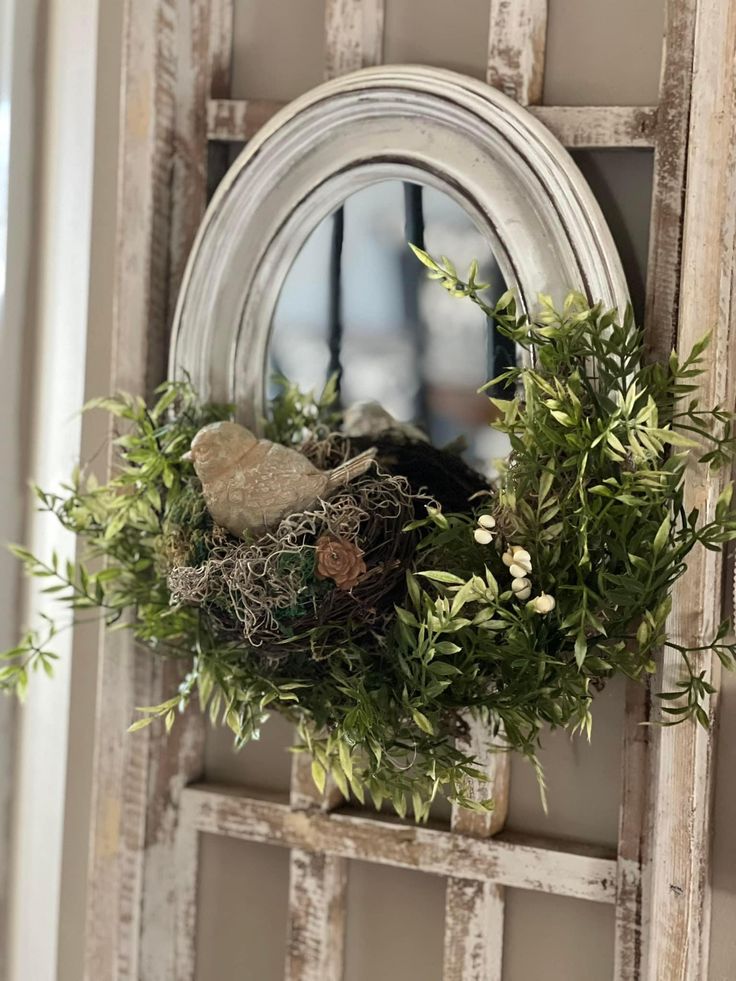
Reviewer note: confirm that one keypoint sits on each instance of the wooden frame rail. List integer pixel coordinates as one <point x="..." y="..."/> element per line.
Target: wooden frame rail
<point x="580" y="127"/>
<point x="561" y="868"/>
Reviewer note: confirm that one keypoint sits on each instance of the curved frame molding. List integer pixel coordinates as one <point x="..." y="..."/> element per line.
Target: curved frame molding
<point x="516" y="181"/>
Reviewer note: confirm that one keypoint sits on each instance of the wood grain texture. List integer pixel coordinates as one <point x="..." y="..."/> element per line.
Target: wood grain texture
<point x="186" y="857"/>
<point x="516" y="48"/>
<point x="175" y="760"/>
<point x="353" y="35"/>
<point x="683" y="769"/>
<point x="121" y="765"/>
<point x="562" y="868"/>
<point x="474" y="911"/>
<point x="665" y="231"/>
<point x="131" y="899"/>
<point x="589" y="127"/>
<point x="220" y="53"/>
<point x="315" y="938"/>
<point x="236" y="120"/>
<point x="632" y="839"/>
<point x="578" y="127"/>
<point x="474" y="917"/>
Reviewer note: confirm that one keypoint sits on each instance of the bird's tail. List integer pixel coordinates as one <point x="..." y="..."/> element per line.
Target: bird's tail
<point x="351" y="469"/>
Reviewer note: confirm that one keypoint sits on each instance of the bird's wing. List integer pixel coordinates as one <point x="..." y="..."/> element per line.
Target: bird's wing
<point x="283" y="460"/>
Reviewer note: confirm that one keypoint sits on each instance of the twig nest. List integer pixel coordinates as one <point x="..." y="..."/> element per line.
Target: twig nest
<point x="340" y="560"/>
<point x="543" y="603"/>
<point x="521" y="588"/>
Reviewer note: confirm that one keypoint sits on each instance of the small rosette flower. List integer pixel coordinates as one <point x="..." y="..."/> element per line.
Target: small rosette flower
<point x="340" y="560"/>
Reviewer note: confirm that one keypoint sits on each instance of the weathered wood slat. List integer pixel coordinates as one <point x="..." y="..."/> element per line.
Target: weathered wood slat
<point x="665" y="230"/>
<point x="516" y="48"/>
<point x="629" y="939"/>
<point x="220" y="47"/>
<point x="177" y="759"/>
<point x="566" y="869"/>
<point x="474" y="917"/>
<point x="186" y="856"/>
<point x="121" y="765"/>
<point x="682" y="779"/>
<point x="315" y="941"/>
<point x="131" y="912"/>
<point x="353" y="35"/>
<point x="588" y="127"/>
<point x="237" y="120"/>
<point x="474" y="911"/>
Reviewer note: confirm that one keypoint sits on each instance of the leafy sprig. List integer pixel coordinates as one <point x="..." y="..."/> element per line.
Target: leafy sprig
<point x="593" y="491"/>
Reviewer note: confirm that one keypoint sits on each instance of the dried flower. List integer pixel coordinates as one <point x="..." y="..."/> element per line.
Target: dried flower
<point x="483" y="534"/>
<point x="514" y="553"/>
<point x="542" y="603"/>
<point x="341" y="560"/>
<point x="522" y="588"/>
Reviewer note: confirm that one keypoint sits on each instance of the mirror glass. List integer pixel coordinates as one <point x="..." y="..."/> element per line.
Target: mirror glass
<point x="357" y="303"/>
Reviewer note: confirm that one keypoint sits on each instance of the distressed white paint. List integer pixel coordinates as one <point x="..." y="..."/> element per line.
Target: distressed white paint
<point x="578" y="127"/>
<point x="632" y="840"/>
<point x="665" y="232"/>
<point x="516" y="48"/>
<point x="131" y="906"/>
<point x="353" y="35"/>
<point x="514" y="179"/>
<point x="474" y="911"/>
<point x="562" y="868"/>
<point x="679" y="912"/>
<point x="315" y="937"/>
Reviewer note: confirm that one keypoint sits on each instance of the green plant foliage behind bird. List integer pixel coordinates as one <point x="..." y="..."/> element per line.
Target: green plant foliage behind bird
<point x="592" y="495"/>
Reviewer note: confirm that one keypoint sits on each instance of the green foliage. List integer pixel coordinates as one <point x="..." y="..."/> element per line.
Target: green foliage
<point x="296" y="416"/>
<point x="593" y="492"/>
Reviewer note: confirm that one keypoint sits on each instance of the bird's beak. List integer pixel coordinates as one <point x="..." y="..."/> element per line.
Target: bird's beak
<point x="187" y="457"/>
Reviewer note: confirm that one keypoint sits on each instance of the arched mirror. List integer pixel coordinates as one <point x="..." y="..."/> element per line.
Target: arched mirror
<point x="356" y="306"/>
<point x="302" y="268"/>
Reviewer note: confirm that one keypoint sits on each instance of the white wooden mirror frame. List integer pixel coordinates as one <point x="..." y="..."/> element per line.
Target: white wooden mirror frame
<point x="433" y="127"/>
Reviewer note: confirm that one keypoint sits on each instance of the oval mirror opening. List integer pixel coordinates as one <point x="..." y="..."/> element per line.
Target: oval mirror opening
<point x="357" y="304"/>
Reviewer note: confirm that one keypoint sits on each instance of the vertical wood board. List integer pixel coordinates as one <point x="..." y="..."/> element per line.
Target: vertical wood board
<point x="353" y="35"/>
<point x="516" y="48"/>
<point x="683" y="766"/>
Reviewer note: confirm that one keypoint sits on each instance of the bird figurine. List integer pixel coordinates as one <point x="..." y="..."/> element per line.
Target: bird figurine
<point x="250" y="484"/>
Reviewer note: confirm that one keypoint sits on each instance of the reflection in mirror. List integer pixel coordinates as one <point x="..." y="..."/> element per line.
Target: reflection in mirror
<point x="357" y="303"/>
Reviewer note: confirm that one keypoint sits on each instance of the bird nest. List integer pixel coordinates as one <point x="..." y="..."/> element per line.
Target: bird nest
<point x="342" y="562"/>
